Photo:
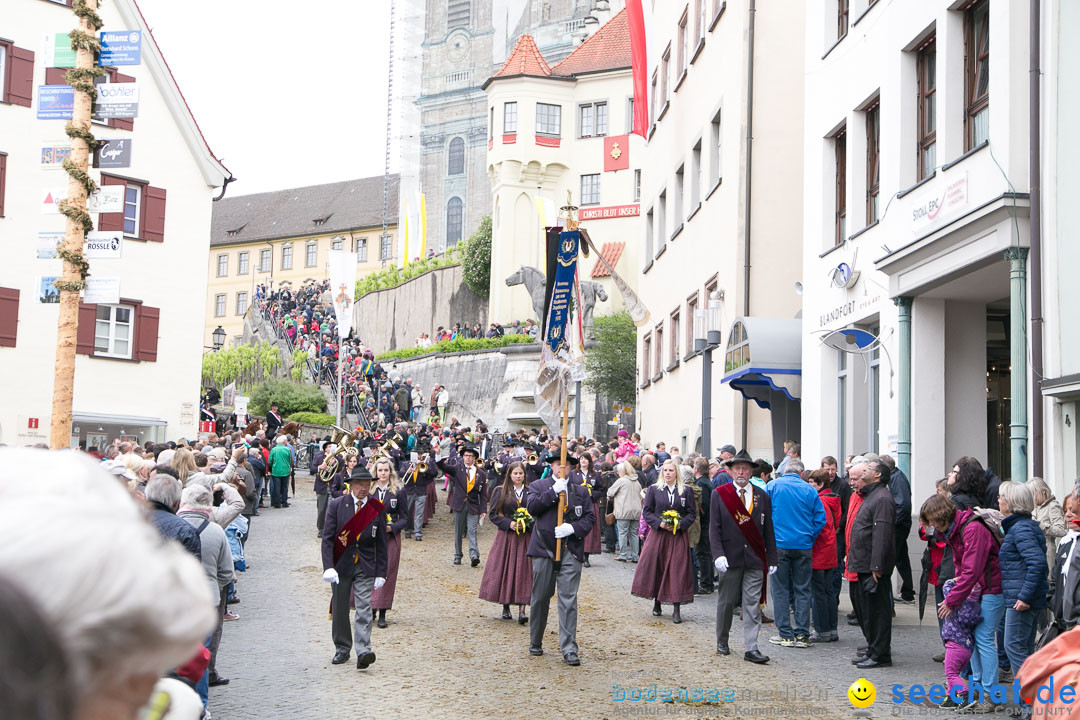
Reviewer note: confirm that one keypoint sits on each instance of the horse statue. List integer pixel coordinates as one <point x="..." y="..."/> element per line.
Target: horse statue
<point x="536" y="283"/>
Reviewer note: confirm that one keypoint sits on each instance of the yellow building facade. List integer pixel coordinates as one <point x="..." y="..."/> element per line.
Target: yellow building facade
<point x="283" y="238"/>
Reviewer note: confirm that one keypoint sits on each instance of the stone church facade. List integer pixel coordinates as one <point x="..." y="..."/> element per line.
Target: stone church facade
<point x="465" y="42"/>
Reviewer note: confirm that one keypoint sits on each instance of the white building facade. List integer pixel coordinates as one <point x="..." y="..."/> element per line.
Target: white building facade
<point x="916" y="235"/>
<point x="721" y="208"/>
<point x="554" y="130"/>
<point x="138" y="367"/>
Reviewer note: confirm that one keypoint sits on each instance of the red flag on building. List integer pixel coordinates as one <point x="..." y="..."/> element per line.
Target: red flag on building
<point x="616" y="153"/>
<point x="639" y="18"/>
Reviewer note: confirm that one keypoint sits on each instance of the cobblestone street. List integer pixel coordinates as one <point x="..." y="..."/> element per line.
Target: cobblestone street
<point x="448" y="654"/>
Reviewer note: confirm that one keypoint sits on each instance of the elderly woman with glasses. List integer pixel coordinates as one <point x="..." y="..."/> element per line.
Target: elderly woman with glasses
<point x="1023" y="571"/>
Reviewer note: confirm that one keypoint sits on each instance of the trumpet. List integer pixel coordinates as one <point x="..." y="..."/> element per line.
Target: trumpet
<point x="421" y="467"/>
<point x="533" y="458"/>
<point x="480" y="463"/>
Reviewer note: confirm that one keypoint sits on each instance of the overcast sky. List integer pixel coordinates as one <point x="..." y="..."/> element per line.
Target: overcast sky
<point x="287" y="93"/>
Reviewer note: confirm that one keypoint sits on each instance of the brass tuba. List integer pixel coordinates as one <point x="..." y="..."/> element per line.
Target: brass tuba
<point x="533" y="458"/>
<point x="344" y="440"/>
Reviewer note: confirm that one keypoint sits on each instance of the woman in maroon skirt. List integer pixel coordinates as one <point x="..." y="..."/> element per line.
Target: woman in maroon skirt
<point x="508" y="572"/>
<point x="389" y="491"/>
<point x="664" y="572"/>
<point x="587" y="476"/>
<point x="429" y="506"/>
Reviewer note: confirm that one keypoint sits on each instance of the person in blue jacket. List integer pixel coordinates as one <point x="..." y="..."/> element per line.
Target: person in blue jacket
<point x="797" y="517"/>
<point x="1023" y="571"/>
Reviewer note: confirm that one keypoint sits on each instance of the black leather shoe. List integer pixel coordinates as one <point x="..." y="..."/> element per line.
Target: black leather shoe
<point x="364" y="660"/>
<point x="523" y="620"/>
<point x="862" y="649"/>
<point x="755" y="656"/>
<point x="572" y="659"/>
<point x="676" y="616"/>
<point x="506" y="615"/>
<point x="457" y="561"/>
<point x="587" y="564"/>
<point x="217" y="680"/>
<point x="853" y="621"/>
<point x="657" y="611"/>
<point x="381" y="623"/>
<point x="722" y="649"/>
<point x="475" y="562"/>
<point x="871" y="663"/>
<point x="340" y="657"/>
<point x="859" y="658"/>
<point x="533" y="650"/>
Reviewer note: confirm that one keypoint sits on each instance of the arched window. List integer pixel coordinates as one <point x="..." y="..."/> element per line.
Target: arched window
<point x="456" y="166"/>
<point x="453" y="222"/>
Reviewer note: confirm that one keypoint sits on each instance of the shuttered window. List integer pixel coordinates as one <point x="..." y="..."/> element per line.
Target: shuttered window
<point x="16" y="74"/>
<point x="144" y="214"/>
<point x="9" y="316"/>
<point x="127" y="331"/>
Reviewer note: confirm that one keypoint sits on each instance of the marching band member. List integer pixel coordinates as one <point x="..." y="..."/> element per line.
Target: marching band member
<point x="389" y="492"/>
<point x="508" y="573"/>
<point x="543" y="503"/>
<point x="744" y="550"/>
<point x="468" y="499"/>
<point x="589" y="477"/>
<point x="664" y="572"/>
<point x="354" y="562"/>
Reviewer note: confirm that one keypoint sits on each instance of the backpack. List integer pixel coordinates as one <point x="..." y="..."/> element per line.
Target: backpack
<point x="991" y="520"/>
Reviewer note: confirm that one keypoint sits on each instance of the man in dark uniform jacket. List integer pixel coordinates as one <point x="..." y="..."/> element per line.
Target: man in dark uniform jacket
<point x="359" y="571"/>
<point x="737" y="553"/>
<point x="273" y="421"/>
<point x="468" y="498"/>
<point x="542" y="502"/>
<point x="416" y="491"/>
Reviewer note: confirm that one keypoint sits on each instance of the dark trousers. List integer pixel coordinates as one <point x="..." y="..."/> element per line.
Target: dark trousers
<point x="279" y="490"/>
<point x="321" y="501"/>
<point x="824" y="604"/>
<point x="903" y="562"/>
<point x="856" y="605"/>
<point x="215" y="639"/>
<point x="608" y="533"/>
<point x="876" y="617"/>
<point x="705" y="563"/>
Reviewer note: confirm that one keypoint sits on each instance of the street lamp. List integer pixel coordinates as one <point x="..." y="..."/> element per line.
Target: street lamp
<point x="707" y="336"/>
<point x="219" y="338"/>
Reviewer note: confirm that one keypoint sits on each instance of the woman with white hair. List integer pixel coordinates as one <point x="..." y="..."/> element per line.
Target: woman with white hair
<point x="625" y="494"/>
<point x="1049" y="514"/>
<point x="664" y="573"/>
<point x="126" y="607"/>
<point x="1023" y="571"/>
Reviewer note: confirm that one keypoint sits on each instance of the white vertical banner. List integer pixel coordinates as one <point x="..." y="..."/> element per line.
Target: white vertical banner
<point x="342" y="288"/>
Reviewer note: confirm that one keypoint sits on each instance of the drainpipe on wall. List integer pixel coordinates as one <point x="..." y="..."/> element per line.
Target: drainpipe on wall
<point x="1018" y="372"/>
<point x="747" y="180"/>
<point x="1035" y="447"/>
<point x="903" y="361"/>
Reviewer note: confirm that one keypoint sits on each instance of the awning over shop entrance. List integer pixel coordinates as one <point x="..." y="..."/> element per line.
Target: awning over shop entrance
<point x="763" y="361"/>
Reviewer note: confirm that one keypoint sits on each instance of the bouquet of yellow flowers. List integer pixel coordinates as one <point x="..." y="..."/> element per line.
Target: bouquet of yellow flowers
<point x="672" y="518"/>
<point x="389" y="521"/>
<point x="522" y="521"/>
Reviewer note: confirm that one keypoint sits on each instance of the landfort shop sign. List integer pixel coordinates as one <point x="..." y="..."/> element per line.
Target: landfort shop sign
<point x="859" y="305"/>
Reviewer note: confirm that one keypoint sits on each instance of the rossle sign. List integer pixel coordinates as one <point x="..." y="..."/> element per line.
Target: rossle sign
<point x="117" y="100"/>
<point x="931" y="207"/>
<point x="104" y="244"/>
<point x="607" y="213"/>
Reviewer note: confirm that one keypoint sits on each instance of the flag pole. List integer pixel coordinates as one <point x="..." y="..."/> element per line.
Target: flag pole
<point x="562" y="469"/>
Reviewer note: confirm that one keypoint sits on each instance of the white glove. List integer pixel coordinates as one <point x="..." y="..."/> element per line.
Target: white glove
<point x="330" y="576"/>
<point x="721" y="564"/>
<point x="564" y="530"/>
<point x="379" y="582"/>
<point x="559" y="486"/>
<point x="772" y="569"/>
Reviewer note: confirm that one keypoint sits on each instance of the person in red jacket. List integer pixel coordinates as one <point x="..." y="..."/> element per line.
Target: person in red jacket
<point x="858" y="466"/>
<point x="823" y="560"/>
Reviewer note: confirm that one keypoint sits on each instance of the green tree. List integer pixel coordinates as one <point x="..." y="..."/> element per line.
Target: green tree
<point x="290" y="397"/>
<point x="476" y="264"/>
<point x="612" y="361"/>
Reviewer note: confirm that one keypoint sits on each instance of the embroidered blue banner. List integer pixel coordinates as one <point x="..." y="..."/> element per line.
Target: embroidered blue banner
<point x="562" y="291"/>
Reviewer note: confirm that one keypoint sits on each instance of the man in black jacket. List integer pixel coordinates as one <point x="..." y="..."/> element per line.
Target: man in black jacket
<point x="704" y="553"/>
<point x="900" y="489"/>
<point x="872" y="556"/>
<point x="163" y="494"/>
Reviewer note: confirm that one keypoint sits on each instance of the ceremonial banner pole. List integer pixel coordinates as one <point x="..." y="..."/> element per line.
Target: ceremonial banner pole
<point x="562" y="468"/>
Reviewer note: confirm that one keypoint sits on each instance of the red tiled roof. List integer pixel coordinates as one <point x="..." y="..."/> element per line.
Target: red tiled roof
<point x="607" y="49"/>
<point x="525" y="60"/>
<point x="611" y="252"/>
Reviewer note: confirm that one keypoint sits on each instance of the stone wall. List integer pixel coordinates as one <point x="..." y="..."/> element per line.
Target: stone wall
<point x="393" y="319"/>
<point x="497" y="387"/>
